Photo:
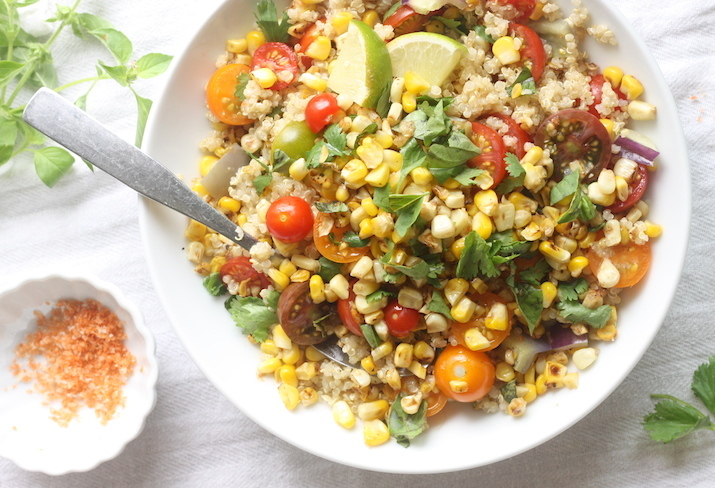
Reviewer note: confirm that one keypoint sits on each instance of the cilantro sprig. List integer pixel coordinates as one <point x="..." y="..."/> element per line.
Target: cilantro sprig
<point x="674" y="418"/>
<point x="267" y="20"/>
<point x="253" y="315"/>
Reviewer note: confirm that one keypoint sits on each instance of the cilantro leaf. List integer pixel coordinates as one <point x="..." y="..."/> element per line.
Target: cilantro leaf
<point x="482" y="32"/>
<point x="438" y="304"/>
<point x="328" y="268"/>
<point x="368" y="331"/>
<point x="353" y="240"/>
<point x="336" y="141"/>
<point x="530" y="301"/>
<point x="564" y="188"/>
<point x="475" y="258"/>
<point x="508" y="391"/>
<point x="403" y="426"/>
<point x="508" y="245"/>
<point x="468" y="176"/>
<point x="252" y="315"/>
<point x="407" y="208"/>
<point x="527" y="82"/>
<point x="242" y="81"/>
<point x="673" y="418"/>
<point x="262" y="181"/>
<point x="312" y="159"/>
<point x="704" y="384"/>
<point x="455" y="25"/>
<point x="576" y="312"/>
<point x="267" y="20"/>
<point x="379" y="295"/>
<point x="570" y="290"/>
<point x="535" y="274"/>
<point x="516" y="174"/>
<point x="331" y="207"/>
<point x="214" y="285"/>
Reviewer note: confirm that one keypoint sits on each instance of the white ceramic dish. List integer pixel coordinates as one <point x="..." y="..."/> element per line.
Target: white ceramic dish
<point x="27" y="434"/>
<point x="229" y="361"/>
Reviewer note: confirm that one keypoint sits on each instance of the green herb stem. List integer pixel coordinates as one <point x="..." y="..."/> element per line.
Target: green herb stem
<point x="79" y="82"/>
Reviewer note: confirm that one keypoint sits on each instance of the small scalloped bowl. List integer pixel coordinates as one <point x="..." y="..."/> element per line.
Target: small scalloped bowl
<point x="28" y="436"/>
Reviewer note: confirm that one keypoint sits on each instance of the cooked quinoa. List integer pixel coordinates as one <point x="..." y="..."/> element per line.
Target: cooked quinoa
<point x="493" y="265"/>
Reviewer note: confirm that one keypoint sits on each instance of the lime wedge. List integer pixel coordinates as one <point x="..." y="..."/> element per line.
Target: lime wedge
<point x="362" y="69"/>
<point x="432" y="56"/>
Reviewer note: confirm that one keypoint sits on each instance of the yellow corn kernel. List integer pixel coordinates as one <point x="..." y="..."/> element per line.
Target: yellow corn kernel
<point x="403" y="355"/>
<point x="548" y="292"/>
<point x="206" y="163"/>
<point x="265" y="77"/>
<point x="308" y="396"/>
<point x="613" y="75"/>
<point x="417" y="369"/>
<point x="586" y="242"/>
<point x="254" y="40"/>
<point x="486" y="201"/>
<point x="653" y="230"/>
<point x="516" y="90"/>
<point x="292" y="355"/>
<point x="497" y="318"/>
<point x="415" y="84"/>
<point x="608" y="124"/>
<point x="435" y="26"/>
<point x="533" y="156"/>
<point x="375" y="432"/>
<point x="455" y="289"/>
<point x="195" y="231"/>
<point x="312" y="354"/>
<point x="220" y="151"/>
<point x="457" y="247"/>
<point x="317" y="289"/>
<point x="342" y="193"/>
<point x="354" y="171"/>
<point x="631" y="87"/>
<point x="478" y="285"/>
<point x="505" y="51"/>
<point x="368" y="365"/>
<point x="287" y="375"/>
<point x="458" y="386"/>
<point x="280" y="279"/>
<point x="423" y="351"/>
<point x="366" y="229"/>
<point x="384" y="139"/>
<point x="409" y="102"/>
<point x="452" y="13"/>
<point x="242" y="219"/>
<point x="421" y="176"/>
<point x="371" y="18"/>
<point x="229" y="204"/>
<point x="483" y="225"/>
<point x="530" y="394"/>
<point x="217" y="263"/>
<point x="475" y="340"/>
<point x="287" y="267"/>
<point x="552" y="251"/>
<point x="376" y="409"/>
<point x="530" y="375"/>
<point x="269" y="366"/>
<point x="343" y="415"/>
<point x="340" y="22"/>
<point x="319" y="49"/>
<point x="554" y="374"/>
<point x="300" y="276"/>
<point x="298" y="170"/>
<point x="306" y="371"/>
<point x="607" y="333"/>
<point x="269" y="347"/>
<point x="451" y="184"/>
<point x="289" y="394"/>
<point x="393" y="159"/>
<point x="577" y="264"/>
<point x="236" y="46"/>
<point x="199" y="189"/>
<point x="504" y="372"/>
<point x="379" y="176"/>
<point x="538" y="11"/>
<point x="540" y="384"/>
<point x="382" y="350"/>
<point x="313" y="82"/>
<point x="464" y="309"/>
<point x="369" y="206"/>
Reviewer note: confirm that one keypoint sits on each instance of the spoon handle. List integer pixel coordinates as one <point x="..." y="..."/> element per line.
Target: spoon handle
<point x="71" y="127"/>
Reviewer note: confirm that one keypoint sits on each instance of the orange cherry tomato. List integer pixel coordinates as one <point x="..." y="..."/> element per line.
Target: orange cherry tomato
<point x="435" y="403"/>
<point x="631" y="260"/>
<point x="330" y="248"/>
<point x="221" y="97"/>
<point x="495" y="337"/>
<point x="289" y="219"/>
<point x="469" y="372"/>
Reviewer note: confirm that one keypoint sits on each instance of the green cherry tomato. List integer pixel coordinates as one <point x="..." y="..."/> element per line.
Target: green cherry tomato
<point x="296" y="139"/>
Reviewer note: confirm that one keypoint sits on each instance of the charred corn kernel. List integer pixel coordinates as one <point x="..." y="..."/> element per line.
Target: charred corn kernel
<point x="342" y="193"/>
<point x="280" y="279"/>
<point x="482" y="225"/>
<point x="195" y="231"/>
<point x="314" y="82"/>
<point x="435" y="26"/>
<point x="458" y="386"/>
<point x="368" y="364"/>
<point x="607" y="333"/>
<point x="530" y="395"/>
<point x="229" y="204"/>
<point x="287" y="267"/>
<point x="613" y="75"/>
<point x="319" y="49"/>
<point x="265" y="77"/>
<point x="393" y="159"/>
<point x="317" y="289"/>
<point x="463" y="310"/>
<point x="497" y="318"/>
<point x="487" y="202"/>
<point x="423" y="351"/>
<point x="394" y="114"/>
<point x="298" y="169"/>
<point x="195" y="252"/>
<point x="577" y="264"/>
<point x="216" y="263"/>
<point x="371" y="18"/>
<point x="379" y="176"/>
<point x="292" y="355"/>
<point x="290" y="395"/>
<point x="608" y="124"/>
<point x="269" y="366"/>
<point x="415" y="84"/>
<point x="403" y="355"/>
<point x="455" y="289"/>
<point x="550" y="250"/>
<point x="287" y="375"/>
<point x="384" y="139"/>
<point x="343" y="415"/>
<point x="199" y="189"/>
<point x="354" y="171"/>
<point x="340" y="22"/>
<point x="382" y="350"/>
<point x="457" y="247"/>
<point x="540" y="384"/>
<point x="308" y="396"/>
<point x="631" y="87"/>
<point x="312" y="354"/>
<point x="652" y="230"/>
<point x="548" y="292"/>
<point x="584" y="357"/>
<point x="475" y="340"/>
<point x="254" y="40"/>
<point x="376" y="409"/>
<point x="375" y="432"/>
<point x="409" y="102"/>
<point x="640" y="110"/>
<point x="206" y="163"/>
<point x="554" y="374"/>
<point x="236" y="46"/>
<point x="505" y="50"/>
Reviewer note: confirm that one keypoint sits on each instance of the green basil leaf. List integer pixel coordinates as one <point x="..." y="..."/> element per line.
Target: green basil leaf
<point x="353" y="240"/>
<point x="530" y="301"/>
<point x="331" y="207"/>
<point x="52" y="163"/>
<point x="439" y="305"/>
<point x="153" y="64"/>
<point x="90" y="22"/>
<point x="407" y="213"/>
<point x="381" y="198"/>
<point x="143" y="108"/>
<point x="116" y="42"/>
<point x="8" y="136"/>
<point x="564" y="188"/>
<point x="328" y="269"/>
<point x="508" y="391"/>
<point x="403" y="426"/>
<point x="262" y="181"/>
<point x="527" y="82"/>
<point x="120" y="74"/>
<point x="8" y="69"/>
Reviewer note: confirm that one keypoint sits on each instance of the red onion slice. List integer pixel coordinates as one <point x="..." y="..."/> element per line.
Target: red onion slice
<point x="636" y="151"/>
<point x="562" y="338"/>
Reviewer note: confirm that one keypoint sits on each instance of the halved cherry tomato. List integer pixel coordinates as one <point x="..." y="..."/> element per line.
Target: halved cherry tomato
<point x="631" y="260"/>
<point x="493" y="151"/>
<point x="435" y="403"/>
<point x="297" y="314"/>
<point x="280" y="58"/>
<point x="405" y="20"/>
<point x="400" y="320"/>
<point x="240" y="269"/>
<point x="310" y="34"/>
<point x="524" y="8"/>
<point x="531" y="48"/>
<point x="351" y="318"/>
<point x="495" y="337"/>
<point x="221" y="95"/>
<point x="289" y="219"/>
<point x="597" y="92"/>
<point x="572" y="135"/>
<point x="320" y="110"/>
<point x="515" y="137"/>
<point x="469" y="372"/>
<point x="636" y="189"/>
<point x="330" y="248"/>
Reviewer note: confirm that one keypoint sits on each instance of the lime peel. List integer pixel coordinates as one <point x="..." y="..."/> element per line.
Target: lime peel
<point x="432" y="56"/>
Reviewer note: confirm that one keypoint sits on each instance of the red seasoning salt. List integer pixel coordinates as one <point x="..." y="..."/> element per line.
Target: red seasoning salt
<point x="77" y="358"/>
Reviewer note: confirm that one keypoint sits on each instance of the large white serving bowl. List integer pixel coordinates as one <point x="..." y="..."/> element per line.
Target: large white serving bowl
<point x="458" y="438"/>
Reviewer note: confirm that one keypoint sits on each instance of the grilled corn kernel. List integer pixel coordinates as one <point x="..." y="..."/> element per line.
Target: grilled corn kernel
<point x="379" y="176"/>
<point x="265" y="77"/>
<point x="554" y="374"/>
<point x="254" y="40"/>
<point x="216" y="263"/>
<point x="393" y="379"/>
<point x="631" y="87"/>
<point x="455" y="289"/>
<point x="409" y="102"/>
<point x="652" y="230"/>
<point x="319" y="49"/>
<point x="393" y="159"/>
<point x="421" y="176"/>
<point x="415" y="84"/>
<point x="607" y="333"/>
<point x="540" y="384"/>
<point x="354" y="171"/>
<point x="457" y="247"/>
<point x="530" y="395"/>
<point x="482" y="224"/>
<point x="487" y="202"/>
<point x="640" y="110"/>
<point x="339" y="286"/>
<point x="317" y="289"/>
<point x="548" y="292"/>
<point x="463" y="310"/>
<point x="458" y="386"/>
<point x="550" y="250"/>
<point x="577" y="264"/>
<point x="475" y="340"/>
<point x="403" y="355"/>
<point x="613" y="75"/>
<point x="343" y="415"/>
<point x="382" y="350"/>
<point x="287" y="267"/>
<point x="368" y="365"/>
<point x="229" y="204"/>
<point x="195" y="231"/>
<point x="308" y="396"/>
<point x="340" y="22"/>
<point x="280" y="279"/>
<point x="298" y="169"/>
<point x="269" y="366"/>
<point x="314" y="82"/>
<point x="206" y="163"/>
<point x="287" y="375"/>
<point x="417" y="369"/>
<point x="290" y="395"/>
<point x="497" y="318"/>
<point x="423" y="351"/>
<point x="375" y="432"/>
<point x="371" y="18"/>
<point x="195" y="252"/>
<point x="376" y="409"/>
<point x="505" y="50"/>
<point x="300" y="276"/>
<point x="610" y="126"/>
<point x="435" y="26"/>
<point x="312" y="354"/>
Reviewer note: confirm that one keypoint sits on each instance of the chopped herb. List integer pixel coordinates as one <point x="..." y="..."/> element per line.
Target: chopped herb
<point x="336" y="141"/>
<point x="331" y="207"/>
<point x="379" y="295"/>
<point x="475" y="258"/>
<point x="577" y="313"/>
<point x="468" y="176"/>
<point x="570" y="290"/>
<point x="242" y="80"/>
<point x="252" y="315"/>
<point x="526" y="80"/>
<point x="564" y="188"/>
<point x="370" y="335"/>
<point x="353" y="240"/>
<point x="381" y="198"/>
<point x="455" y="25"/>
<point x="430" y="121"/>
<point x="516" y="173"/>
<point x="530" y="301"/>
<point x="413" y="156"/>
<point x="328" y="268"/>
<point x="581" y="208"/>
<point x="508" y="245"/>
<point x="598" y="227"/>
<point x="392" y="9"/>
<point x="482" y="32"/>
<point x="312" y="159"/>
<point x="214" y="285"/>
<point x="534" y="275"/>
<point x="262" y="181"/>
<point x="456" y="150"/>
<point x="438" y="304"/>
<point x="267" y="20"/>
<point x="407" y="208"/>
<point x="508" y="391"/>
<point x="403" y="426"/>
<point x="280" y="160"/>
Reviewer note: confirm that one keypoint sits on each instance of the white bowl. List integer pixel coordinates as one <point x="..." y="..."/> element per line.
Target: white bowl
<point x="27" y="434"/>
<point x="459" y="438"/>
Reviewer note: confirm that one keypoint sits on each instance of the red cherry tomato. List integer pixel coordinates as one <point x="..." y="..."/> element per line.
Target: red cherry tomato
<point x="240" y="270"/>
<point x="400" y="320"/>
<point x="597" y="92"/>
<point x="328" y="247"/>
<point x="320" y="110"/>
<point x="221" y="95"/>
<point x="405" y="20"/>
<point x="493" y="151"/>
<point x="636" y="188"/>
<point x="310" y="34"/>
<point x="289" y="219"/>
<point x="631" y="260"/>
<point x="350" y="317"/>
<point x="515" y="136"/>
<point x="523" y="8"/>
<point x="280" y="58"/>
<point x="469" y="372"/>
<point x="532" y="48"/>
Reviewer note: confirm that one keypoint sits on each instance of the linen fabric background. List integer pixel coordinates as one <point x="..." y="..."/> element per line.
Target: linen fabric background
<point x="195" y="437"/>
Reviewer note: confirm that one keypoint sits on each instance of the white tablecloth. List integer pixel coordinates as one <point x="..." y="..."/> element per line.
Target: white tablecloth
<point x="195" y="437"/>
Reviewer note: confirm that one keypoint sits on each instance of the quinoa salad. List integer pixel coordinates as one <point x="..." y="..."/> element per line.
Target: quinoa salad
<point x="448" y="190"/>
